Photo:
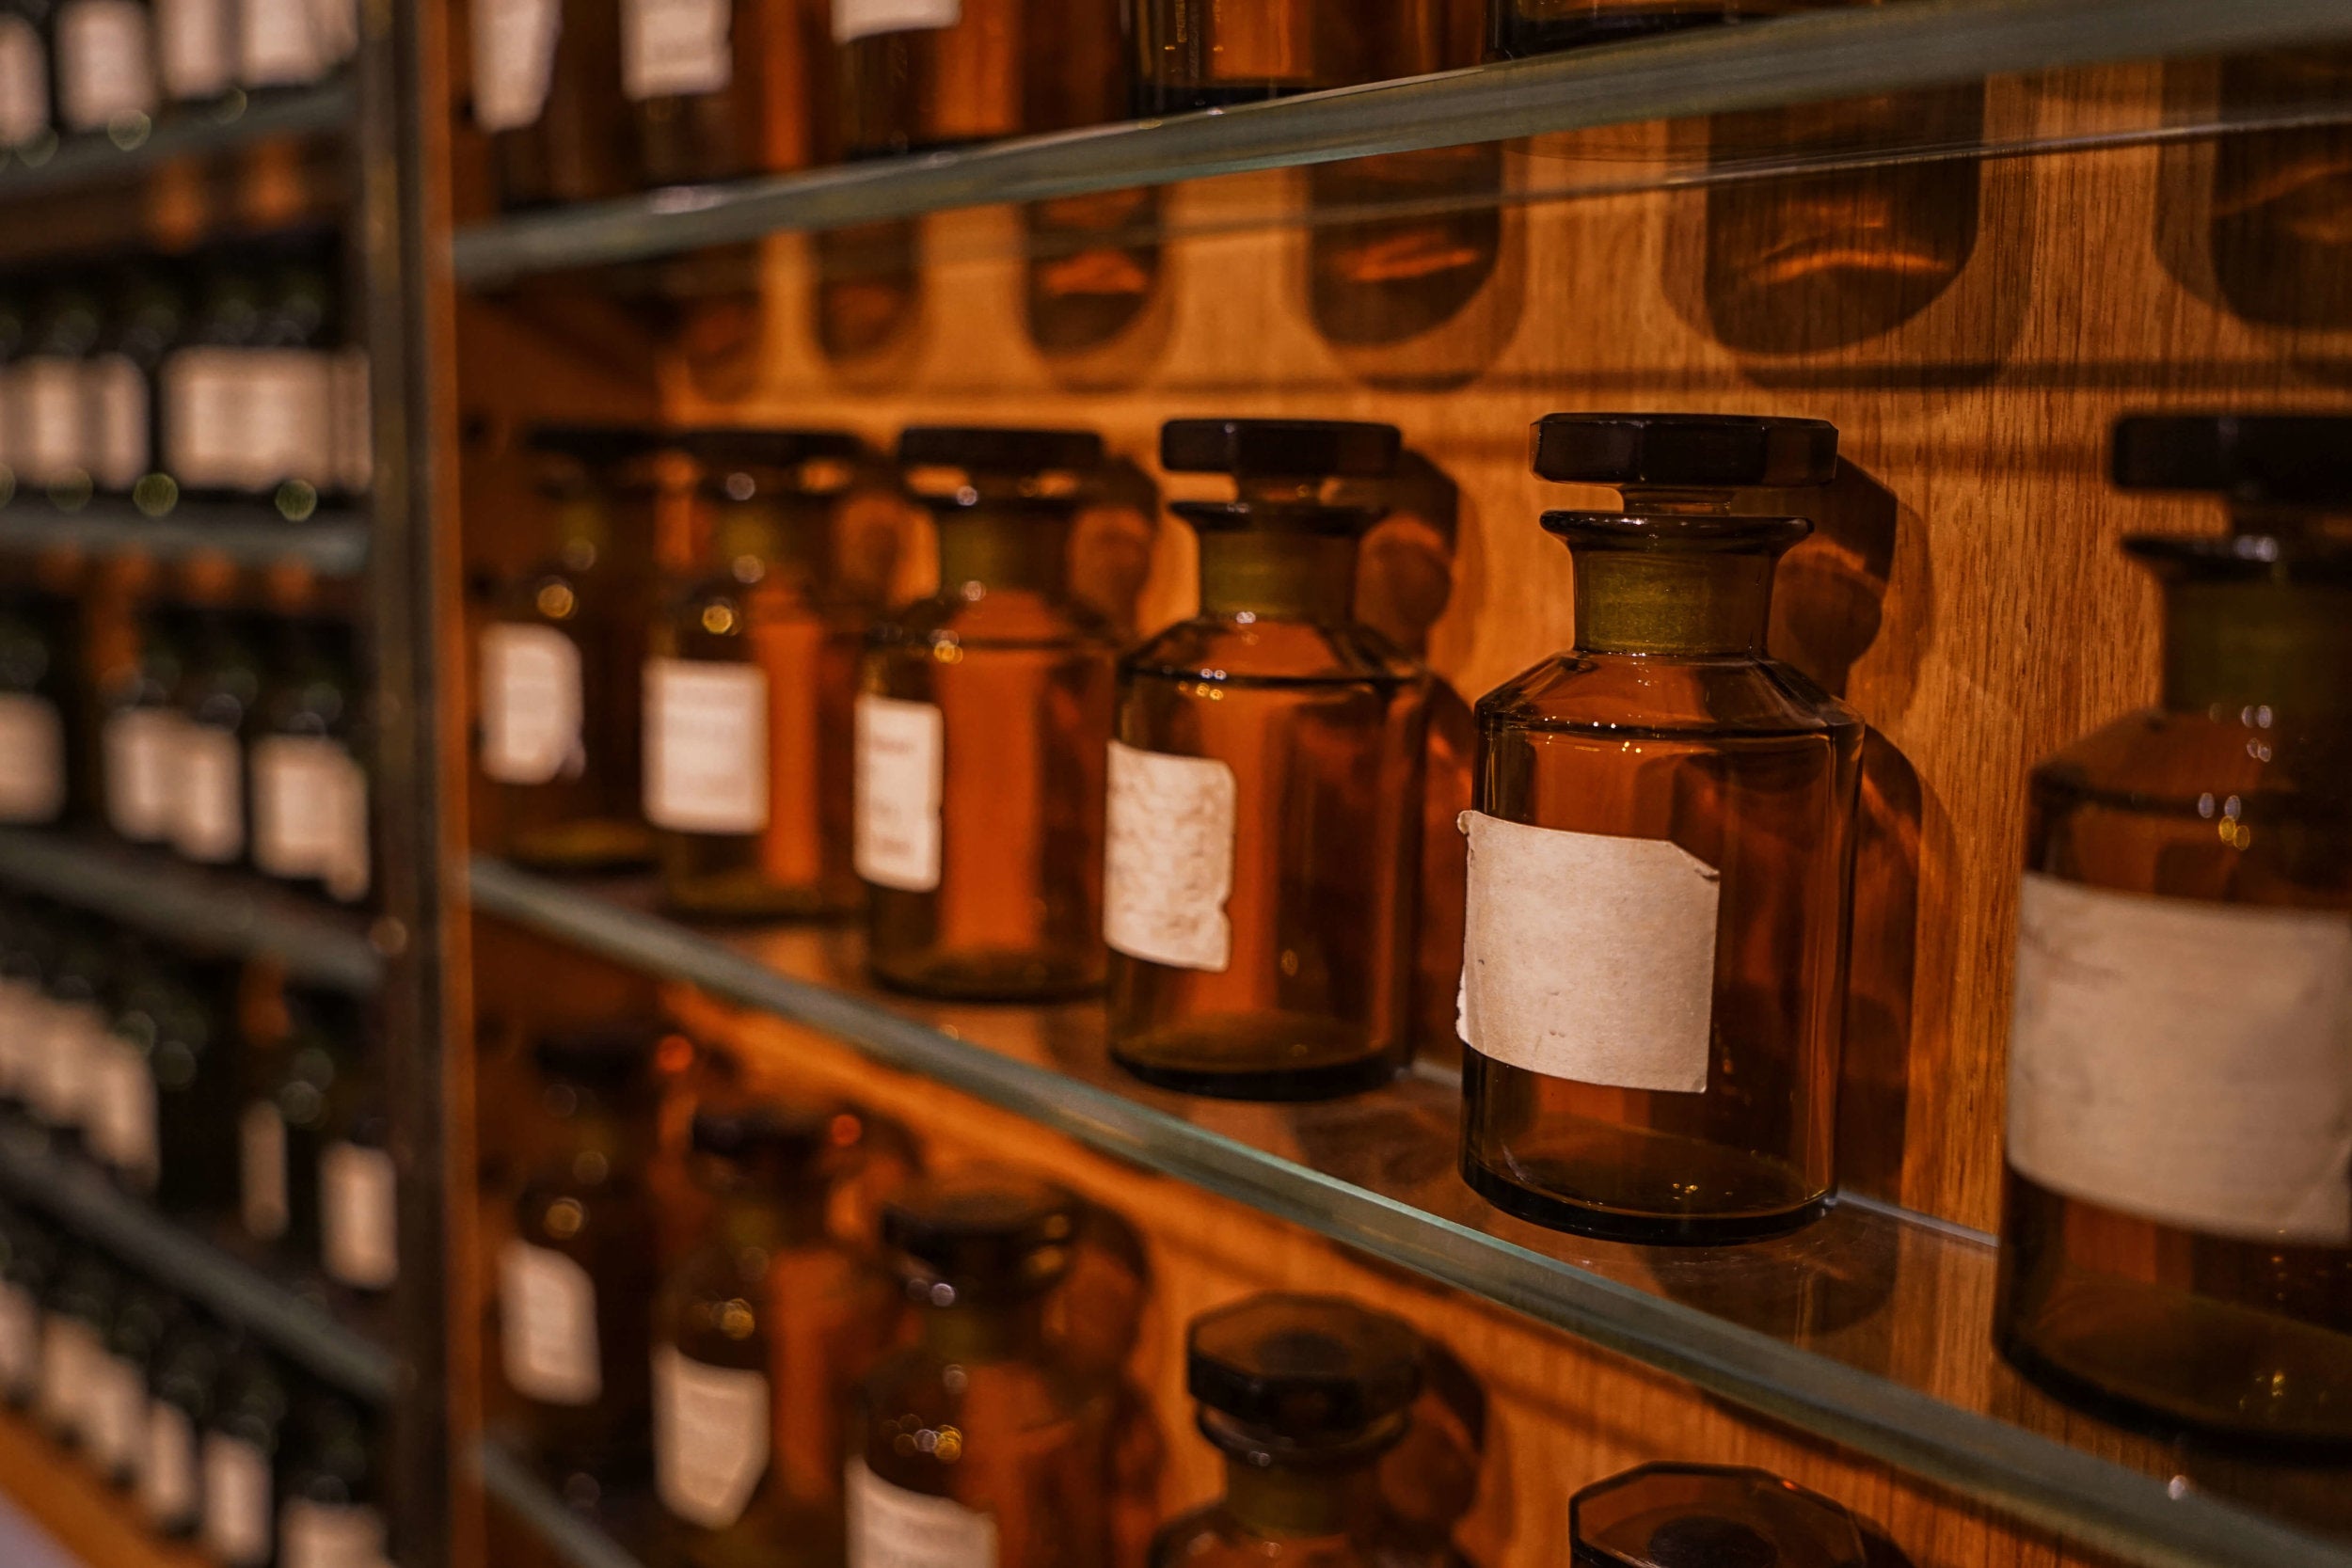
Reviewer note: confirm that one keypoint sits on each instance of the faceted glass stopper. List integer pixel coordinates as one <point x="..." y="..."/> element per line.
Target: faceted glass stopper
<point x="610" y="1053"/>
<point x="1303" y="1370"/>
<point x="983" y="1234"/>
<point x="1343" y="449"/>
<point x="771" y="1135"/>
<point x="738" y="463"/>
<point x="589" y="443"/>
<point x="988" y="450"/>
<point x="1709" y="452"/>
<point x="2285" y="460"/>
<point x="1710" y="1516"/>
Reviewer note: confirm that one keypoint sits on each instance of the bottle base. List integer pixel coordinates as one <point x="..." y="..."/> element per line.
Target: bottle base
<point x="999" y="976"/>
<point x="1332" y="1081"/>
<point x="1615" y="1225"/>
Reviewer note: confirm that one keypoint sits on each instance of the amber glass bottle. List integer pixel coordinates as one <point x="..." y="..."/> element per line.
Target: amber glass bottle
<point x="752" y="686"/>
<point x="2177" y="1235"/>
<point x="1265" y="788"/>
<point x="545" y="73"/>
<point x="559" y="664"/>
<point x="981" y="726"/>
<point x="761" y="1337"/>
<point x="576" y="1281"/>
<point x="1201" y="55"/>
<point x="1660" y="859"/>
<point x="1304" y="1395"/>
<point x="1674" y="1515"/>
<point x="925" y="73"/>
<point x="1517" y="28"/>
<point x="220" y="691"/>
<point x="982" y="1442"/>
<point x="719" y="89"/>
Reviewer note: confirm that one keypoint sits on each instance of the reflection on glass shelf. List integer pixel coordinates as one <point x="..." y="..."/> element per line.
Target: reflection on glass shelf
<point x="237" y="1282"/>
<point x="94" y="158"/>
<point x="577" y="1539"/>
<point x="1870" y="1328"/>
<point x="333" y="544"/>
<point x="1698" y="106"/>
<point x="211" y="911"/>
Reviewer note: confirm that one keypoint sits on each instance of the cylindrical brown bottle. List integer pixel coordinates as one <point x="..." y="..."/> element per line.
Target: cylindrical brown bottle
<point x="921" y="73"/>
<point x="1660" y="1515"/>
<point x="1265" y="789"/>
<point x="1653" y="976"/>
<point x="1519" y="28"/>
<point x="751" y="689"/>
<point x="719" y="89"/>
<point x="1207" y="54"/>
<point x="981" y="726"/>
<point x="544" y="73"/>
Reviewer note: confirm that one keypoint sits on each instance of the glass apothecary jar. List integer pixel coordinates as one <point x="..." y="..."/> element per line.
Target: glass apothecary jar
<point x="1710" y="1517"/>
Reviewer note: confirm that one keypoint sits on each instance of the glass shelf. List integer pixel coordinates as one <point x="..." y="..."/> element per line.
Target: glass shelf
<point x="97" y="158"/>
<point x="233" y="1280"/>
<point x="212" y="910"/>
<point x="1812" y="58"/>
<point x="1870" y="1328"/>
<point x="577" y="1541"/>
<point x="332" y="544"/>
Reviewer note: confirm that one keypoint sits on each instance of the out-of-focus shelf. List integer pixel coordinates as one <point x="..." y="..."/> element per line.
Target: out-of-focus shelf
<point x="90" y="1520"/>
<point x="574" y="1539"/>
<point x="214" y="910"/>
<point x="1870" y="1328"/>
<point x="82" y="1200"/>
<point x="333" y="544"/>
<point x="1815" y="57"/>
<point x="97" y="158"/>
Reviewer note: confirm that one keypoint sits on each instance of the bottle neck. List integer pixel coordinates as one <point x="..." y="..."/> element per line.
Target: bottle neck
<point x="583" y="523"/>
<point x="789" y="534"/>
<point x="1001" y="547"/>
<point x="985" y="1331"/>
<point x="771" y="1221"/>
<point x="1280" y="576"/>
<point x="1672" y="601"/>
<point x="2240" y="644"/>
<point x="1298" y="1500"/>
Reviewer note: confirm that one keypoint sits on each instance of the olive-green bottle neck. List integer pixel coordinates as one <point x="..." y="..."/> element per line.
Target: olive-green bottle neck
<point x="1673" y="602"/>
<point x="788" y="532"/>
<point x="2285" y="646"/>
<point x="584" y="523"/>
<point x="1280" y="576"/>
<point x="985" y="1331"/>
<point x="771" y="1221"/>
<point x="1278" y="1500"/>
<point x="1004" y="546"/>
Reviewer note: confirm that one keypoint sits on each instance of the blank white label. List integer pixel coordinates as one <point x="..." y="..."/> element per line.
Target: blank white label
<point x="59" y="1083"/>
<point x="857" y="19"/>
<point x="336" y="25"/>
<point x="69" y="1353"/>
<point x="105" y="63"/>
<point x="893" y="1527"/>
<point x="359" y="1216"/>
<point x="277" y="43"/>
<point x="122" y="1111"/>
<point x="50" y="444"/>
<point x="167" y="1478"/>
<point x="113" y="393"/>
<point x="310" y="812"/>
<point x="1168" y="858"/>
<point x="513" y="59"/>
<point x="204" y="422"/>
<point x="288" y="418"/>
<point x="139" y="755"/>
<point x="705" y="747"/>
<point x="330" y="1535"/>
<point x="19" y="1341"/>
<point x="531" y="705"/>
<point x="900" y="767"/>
<point x="239" y="1513"/>
<point x="2184" y="1061"/>
<point x="116" y="1432"/>
<point x="32" y="758"/>
<point x="208" y="815"/>
<point x="674" y="48"/>
<point x="1589" y="957"/>
<point x="261" y="1171"/>
<point x="192" y="47"/>
<point x="547" y="1325"/>
<point x="23" y="82"/>
<point x="710" y="1430"/>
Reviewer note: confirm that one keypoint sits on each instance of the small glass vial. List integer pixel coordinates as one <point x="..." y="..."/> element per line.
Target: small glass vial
<point x="243" y="1446"/>
<point x="28" y="1264"/>
<point x="78" y="1313"/>
<point x="303" y="1085"/>
<point x="49" y="442"/>
<point x="1686" y="1516"/>
<point x="919" y="76"/>
<point x="120" y="384"/>
<point x="333" y="1509"/>
<point x="575" y="1280"/>
<point x="559" y="668"/>
<point x="26" y="135"/>
<point x="1516" y="28"/>
<point x="189" y="1365"/>
<point x="982" y="1442"/>
<point x="1304" y="1395"/>
<point x="195" y="54"/>
<point x="37" y="746"/>
<point x="358" y="1204"/>
<point x="718" y="89"/>
<point x="751" y="689"/>
<point x="117" y="1396"/>
<point x="80" y="979"/>
<point x="1204" y="54"/>
<point x="761" y="1337"/>
<point x="309" y="788"/>
<point x="1659" y="859"/>
<point x="1265" y="788"/>
<point x="163" y="1112"/>
<point x="105" y="56"/>
<point x="545" y="73"/>
<point x="2177" y="1225"/>
<point x="981" y="726"/>
<point x="220" y="692"/>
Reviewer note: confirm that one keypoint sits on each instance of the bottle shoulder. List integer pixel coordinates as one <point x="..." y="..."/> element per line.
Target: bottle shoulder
<point x="2178" y="762"/>
<point x="1227" y="648"/>
<point x="1003" y="619"/>
<point x="1649" y="693"/>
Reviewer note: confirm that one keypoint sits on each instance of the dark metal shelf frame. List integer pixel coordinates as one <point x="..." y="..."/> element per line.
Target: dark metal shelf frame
<point x="92" y="158"/>
<point x="332" y="543"/>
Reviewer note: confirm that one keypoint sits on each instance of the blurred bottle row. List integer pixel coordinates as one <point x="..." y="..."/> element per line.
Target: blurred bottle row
<point x="227" y="1100"/>
<point x="230" y="375"/>
<point x="210" y="1437"/>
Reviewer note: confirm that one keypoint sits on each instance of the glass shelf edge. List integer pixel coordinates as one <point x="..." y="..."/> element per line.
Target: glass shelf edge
<point x="580" y="1542"/>
<point x="2035" y="1479"/>
<point x="88" y="159"/>
<point x="334" y="543"/>
<point x="1810" y="57"/>
<point x="83" y="1202"/>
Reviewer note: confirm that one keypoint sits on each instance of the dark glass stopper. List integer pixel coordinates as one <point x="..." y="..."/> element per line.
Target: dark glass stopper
<point x="983" y="449"/>
<point x="1712" y="452"/>
<point x="1279" y="448"/>
<point x="1303" y="1370"/>
<point x="2275" y="459"/>
<point x="982" y="1235"/>
<point x="598" y="1052"/>
<point x="1710" y="1516"/>
<point x="592" y="443"/>
<point x="771" y="1135"/>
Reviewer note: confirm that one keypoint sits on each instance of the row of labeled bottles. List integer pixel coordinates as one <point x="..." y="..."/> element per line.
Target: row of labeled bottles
<point x="114" y="67"/>
<point x="216" y="1099"/>
<point x="212" y="1438"/>
<point x="226" y="378"/>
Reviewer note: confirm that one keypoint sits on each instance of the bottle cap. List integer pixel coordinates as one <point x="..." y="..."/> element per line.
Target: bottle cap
<point x="988" y="450"/>
<point x="599" y="1053"/>
<point x="1710" y="1516"/>
<point x="2285" y="460"/>
<point x="1297" y="1371"/>
<point x="1343" y="448"/>
<point x="590" y="443"/>
<point x="1716" y="451"/>
<point x="733" y="457"/>
<point x="980" y="1235"/>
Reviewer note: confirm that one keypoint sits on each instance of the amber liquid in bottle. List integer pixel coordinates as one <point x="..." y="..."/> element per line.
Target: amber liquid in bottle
<point x="1318" y="723"/>
<point x="1668" y="722"/>
<point x="908" y="88"/>
<point x="718" y="109"/>
<point x="987" y="709"/>
<point x="734" y="845"/>
<point x="2212" y="1292"/>
<point x="573" y="148"/>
